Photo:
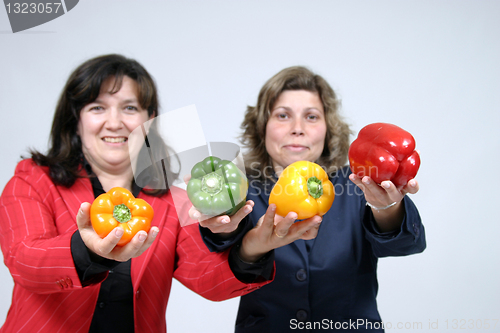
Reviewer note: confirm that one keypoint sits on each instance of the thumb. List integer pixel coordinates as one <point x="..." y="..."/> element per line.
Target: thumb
<point x="83" y="216"/>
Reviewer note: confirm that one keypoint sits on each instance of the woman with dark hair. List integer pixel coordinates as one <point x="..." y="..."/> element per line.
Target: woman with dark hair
<point x="67" y="278"/>
<point x="329" y="282"/>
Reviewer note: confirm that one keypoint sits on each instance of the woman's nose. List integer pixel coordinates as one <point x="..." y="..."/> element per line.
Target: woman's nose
<point x="114" y="119"/>
<point x="297" y="127"/>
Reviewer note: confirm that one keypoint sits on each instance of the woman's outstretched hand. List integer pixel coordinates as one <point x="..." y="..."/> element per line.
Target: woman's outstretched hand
<point x="385" y="200"/>
<point x="223" y="225"/>
<point x="274" y="231"/>
<point x="106" y="247"/>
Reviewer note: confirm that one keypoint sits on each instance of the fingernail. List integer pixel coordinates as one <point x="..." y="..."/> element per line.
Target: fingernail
<point x="247" y="209"/>
<point x="196" y="215"/>
<point x="155" y="232"/>
<point x="142" y="237"/>
<point x="119" y="232"/>
<point x="385" y="185"/>
<point x="224" y="221"/>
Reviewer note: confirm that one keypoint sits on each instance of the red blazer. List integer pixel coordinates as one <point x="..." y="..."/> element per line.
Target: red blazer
<point x="37" y="220"/>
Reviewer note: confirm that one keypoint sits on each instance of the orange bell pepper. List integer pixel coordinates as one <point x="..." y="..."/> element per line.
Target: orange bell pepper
<point x="303" y="188"/>
<point x="119" y="208"/>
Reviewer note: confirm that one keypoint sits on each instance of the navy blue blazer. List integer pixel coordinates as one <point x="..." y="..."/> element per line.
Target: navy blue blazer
<point x="329" y="282"/>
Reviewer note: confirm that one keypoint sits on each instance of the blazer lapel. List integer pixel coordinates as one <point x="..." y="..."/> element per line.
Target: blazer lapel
<point x="77" y="194"/>
<point x="138" y="266"/>
<point x="300" y="246"/>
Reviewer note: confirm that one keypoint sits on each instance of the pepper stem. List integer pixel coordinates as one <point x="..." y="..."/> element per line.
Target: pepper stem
<point x="314" y="187"/>
<point x="122" y="213"/>
<point x="212" y="183"/>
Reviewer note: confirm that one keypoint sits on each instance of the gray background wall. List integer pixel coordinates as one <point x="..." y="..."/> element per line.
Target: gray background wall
<point x="430" y="67"/>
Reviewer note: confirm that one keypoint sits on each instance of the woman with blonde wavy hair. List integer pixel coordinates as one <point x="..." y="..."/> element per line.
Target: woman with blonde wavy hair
<point x="328" y="282"/>
<point x="334" y="154"/>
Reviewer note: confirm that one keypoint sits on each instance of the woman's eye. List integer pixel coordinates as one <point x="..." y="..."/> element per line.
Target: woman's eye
<point x="312" y="117"/>
<point x="282" y="115"/>
<point x="97" y="108"/>
<point x="131" y="108"/>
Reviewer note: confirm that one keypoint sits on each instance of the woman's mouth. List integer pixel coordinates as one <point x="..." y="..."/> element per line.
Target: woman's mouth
<point x="296" y="148"/>
<point x="114" y="139"/>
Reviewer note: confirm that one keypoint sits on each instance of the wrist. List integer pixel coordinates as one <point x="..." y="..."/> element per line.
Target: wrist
<point x="378" y="209"/>
<point x="389" y="219"/>
<point x="247" y="254"/>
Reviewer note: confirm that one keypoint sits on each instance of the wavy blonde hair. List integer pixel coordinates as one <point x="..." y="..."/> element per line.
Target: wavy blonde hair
<point x="257" y="159"/>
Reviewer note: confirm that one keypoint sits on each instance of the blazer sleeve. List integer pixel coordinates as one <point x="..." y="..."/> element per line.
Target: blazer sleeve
<point x="208" y="273"/>
<point x="35" y="239"/>
<point x="217" y="244"/>
<point x="409" y="239"/>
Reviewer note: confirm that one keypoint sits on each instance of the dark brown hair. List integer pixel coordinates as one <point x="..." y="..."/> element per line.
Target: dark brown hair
<point x="257" y="159"/>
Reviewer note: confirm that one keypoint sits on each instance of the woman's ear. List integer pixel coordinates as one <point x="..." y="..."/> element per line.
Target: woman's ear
<point x="153" y="114"/>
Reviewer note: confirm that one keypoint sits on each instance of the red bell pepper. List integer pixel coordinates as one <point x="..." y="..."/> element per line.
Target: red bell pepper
<point x="384" y="152"/>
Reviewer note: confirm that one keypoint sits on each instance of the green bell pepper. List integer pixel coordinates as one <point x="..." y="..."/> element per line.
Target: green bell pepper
<point x="217" y="187"/>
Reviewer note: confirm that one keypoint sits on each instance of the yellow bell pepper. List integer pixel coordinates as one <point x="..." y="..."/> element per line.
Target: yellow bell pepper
<point x="304" y="188"/>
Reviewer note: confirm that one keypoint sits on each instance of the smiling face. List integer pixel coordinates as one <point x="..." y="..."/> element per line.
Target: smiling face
<point x="105" y="125"/>
<point x="296" y="128"/>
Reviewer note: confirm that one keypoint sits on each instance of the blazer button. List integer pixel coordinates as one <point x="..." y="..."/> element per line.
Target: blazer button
<point x="137" y="294"/>
<point x="301" y="315"/>
<point x="301" y="275"/>
<point x="65" y="283"/>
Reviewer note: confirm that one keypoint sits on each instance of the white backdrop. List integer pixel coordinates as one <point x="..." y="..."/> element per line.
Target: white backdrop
<point x="429" y="66"/>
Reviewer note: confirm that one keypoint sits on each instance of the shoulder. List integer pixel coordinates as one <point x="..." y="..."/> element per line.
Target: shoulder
<point x="29" y="172"/>
<point x="29" y="181"/>
<point x="28" y="167"/>
<point x="32" y="181"/>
